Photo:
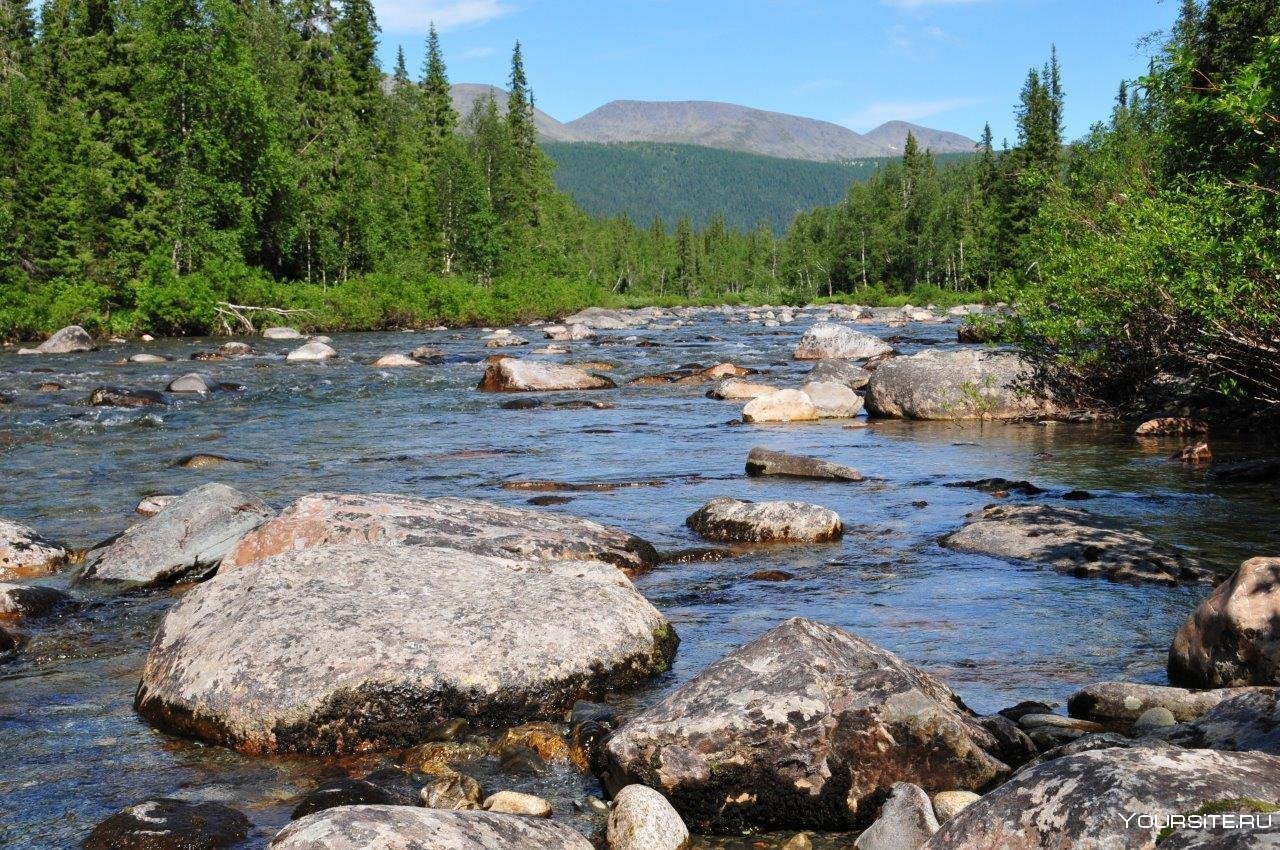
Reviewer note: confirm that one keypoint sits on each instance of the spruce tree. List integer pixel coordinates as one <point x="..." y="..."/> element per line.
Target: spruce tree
<point x="441" y="118"/>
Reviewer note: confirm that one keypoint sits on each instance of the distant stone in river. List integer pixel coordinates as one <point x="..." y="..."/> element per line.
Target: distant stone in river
<point x="281" y="333"/>
<point x="955" y="385"/>
<point x="395" y="361"/>
<point x="806" y="727"/>
<point x="311" y="352"/>
<point x="147" y="357"/>
<point x="1172" y="425"/>
<point x="410" y="828"/>
<point x="762" y="461"/>
<point x="193" y="382"/>
<point x="24" y="553"/>
<point x="342" y="649"/>
<point x="164" y="824"/>
<point x="826" y="341"/>
<point x="187" y="539"/>
<point x="840" y="372"/>
<point x="833" y="400"/>
<point x="562" y="333"/>
<point x="125" y="397"/>
<point x="69" y="340"/>
<point x="507" y="374"/>
<point x="733" y="521"/>
<point x="734" y="389"/>
<point x="781" y="406"/>
<point x="323" y="519"/>
<point x="1232" y="638"/>
<point x="1074" y="542"/>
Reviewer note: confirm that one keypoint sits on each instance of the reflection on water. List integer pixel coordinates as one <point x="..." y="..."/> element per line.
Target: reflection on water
<point x="72" y="751"/>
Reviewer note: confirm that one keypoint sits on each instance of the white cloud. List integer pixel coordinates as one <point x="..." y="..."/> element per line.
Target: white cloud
<point x="410" y="15"/>
<point x="875" y="114"/>
<point x="477" y="52"/>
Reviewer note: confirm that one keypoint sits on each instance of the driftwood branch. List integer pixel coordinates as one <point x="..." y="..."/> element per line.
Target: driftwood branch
<point x="240" y="315"/>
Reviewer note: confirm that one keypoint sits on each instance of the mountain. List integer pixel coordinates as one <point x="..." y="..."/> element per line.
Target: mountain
<point x="725" y="126"/>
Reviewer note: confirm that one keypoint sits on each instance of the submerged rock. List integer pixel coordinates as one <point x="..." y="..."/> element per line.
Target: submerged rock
<point x="311" y="352"/>
<point x="350" y="647"/>
<point x="18" y="601"/>
<point x="1104" y="799"/>
<point x="164" y="824"/>
<point x="906" y="821"/>
<point x="762" y="461"/>
<point x="69" y="340"/>
<point x="733" y="521"/>
<point x="781" y="406"/>
<point x="455" y="792"/>
<point x="834" y="401"/>
<point x="1258" y="471"/>
<point x="23" y="553"/>
<point x="1233" y="637"/>
<point x="8" y="644"/>
<point x="125" y="397"/>
<point x="323" y="519"/>
<point x="642" y="819"/>
<point x="805" y="727"/>
<point x="507" y="375"/>
<point x="1074" y="542"/>
<point x="1109" y="702"/>
<point x="824" y="341"/>
<point x="955" y="385"/>
<point x="187" y="539"/>
<point x="410" y="828"/>
<point x="1172" y="425"/>
<point x="343" y="791"/>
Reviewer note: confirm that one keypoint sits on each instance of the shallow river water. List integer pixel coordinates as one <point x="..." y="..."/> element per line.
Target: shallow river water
<point x="73" y="752"/>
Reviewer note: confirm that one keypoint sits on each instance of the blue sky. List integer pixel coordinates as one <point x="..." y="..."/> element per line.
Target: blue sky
<point x="950" y="64"/>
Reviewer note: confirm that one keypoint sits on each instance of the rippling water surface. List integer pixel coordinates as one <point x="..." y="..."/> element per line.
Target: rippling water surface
<point x="72" y="751"/>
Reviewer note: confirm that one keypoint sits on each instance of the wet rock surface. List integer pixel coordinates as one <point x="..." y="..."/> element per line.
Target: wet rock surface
<point x="125" y="397"/>
<point x="781" y="406"/>
<point x="830" y="341"/>
<point x="1233" y="637"/>
<point x="165" y="824"/>
<point x="762" y="461"/>
<point x="954" y="385"/>
<point x="25" y="553"/>
<point x="734" y="521"/>
<point x="18" y="601"/>
<point x="1127" y="701"/>
<point x="341" y="648"/>
<point x="507" y="374"/>
<point x="405" y="828"/>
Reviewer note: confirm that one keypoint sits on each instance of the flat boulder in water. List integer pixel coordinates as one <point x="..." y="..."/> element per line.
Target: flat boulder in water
<point x="25" y="553"/>
<point x="69" y="340"/>
<point x="508" y="374"/>
<point x="1108" y="798"/>
<point x="164" y="824"/>
<point x="781" y="406"/>
<point x="1109" y="702"/>
<point x="1074" y="542"/>
<point x="395" y="361"/>
<point x="281" y="333"/>
<point x="833" y="400"/>
<point x="735" y="389"/>
<point x="806" y="727"/>
<point x="347" y="648"/>
<point x="955" y="385"/>
<point x="1233" y="637"/>
<point x="323" y="519"/>
<point x="762" y="461"/>
<point x="187" y="539"/>
<point x="411" y="828"/>
<point x="830" y="341"/>
<point x="733" y="521"/>
<point x="312" y="352"/>
<point x="192" y="382"/>
<point x="124" y="397"/>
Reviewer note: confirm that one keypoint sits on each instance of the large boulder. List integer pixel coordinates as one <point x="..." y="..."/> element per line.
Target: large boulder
<point x="312" y="352"/>
<point x="833" y="400"/>
<point x="185" y="540"/>
<point x="781" y="406"/>
<point x="323" y="519"/>
<point x="1232" y="637"/>
<point x="24" y="553"/>
<point x="733" y="521"/>
<point x="281" y="333"/>
<point x="840" y="372"/>
<point x="509" y="375"/>
<point x="950" y="385"/>
<point x="827" y="341"/>
<point x="165" y="824"/>
<point x="1125" y="702"/>
<point x="762" y="461"/>
<point x="1074" y="542"/>
<point x="68" y="340"/>
<point x="192" y="382"/>
<point x="806" y="727"/>
<point x="410" y="828"/>
<point x="1107" y="799"/>
<point x="1247" y="720"/>
<point x="346" y="648"/>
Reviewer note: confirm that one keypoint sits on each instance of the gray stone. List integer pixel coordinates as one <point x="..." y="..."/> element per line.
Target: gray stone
<point x="409" y="828"/>
<point x="147" y="357"/>
<point x="311" y="352"/>
<point x="736" y="389"/>
<point x="806" y="727"/>
<point x="68" y="340"/>
<point x="1153" y="718"/>
<point x="193" y="382"/>
<point x="1108" y="702"/>
<point x="762" y="461"/>
<point x="834" y="401"/>
<point x="734" y="521"/>
<point x="24" y="553"/>
<point x="125" y="397"/>
<point x="344" y="648"/>
<point x="952" y="385"/>
<point x="323" y="519"/>
<point x="824" y="341"/>
<point x="642" y="819"/>
<point x="840" y="372"/>
<point x="186" y="540"/>
<point x="1082" y="801"/>
<point x="395" y="361"/>
<point x="1075" y="542"/>
<point x="906" y="821"/>
<point x="508" y="375"/>
<point x="781" y="406"/>
<point x="164" y="824"/>
<point x="574" y="332"/>
<point x="517" y="803"/>
<point x="1232" y="638"/>
<point x="1248" y="720"/>
<point x="281" y="333"/>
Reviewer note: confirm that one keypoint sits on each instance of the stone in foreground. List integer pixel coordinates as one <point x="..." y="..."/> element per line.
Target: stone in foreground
<point x="806" y="727"/>
<point x="323" y="519"/>
<point x="1232" y="637"/>
<point x="1249" y="719"/>
<point x="23" y="553"/>
<point x="164" y="824"/>
<point x="1109" y="702"/>
<point x="762" y="461"/>
<point x="1074" y="542"/>
<point x="733" y="521"/>
<point x="187" y="539"/>
<point x="69" y="340"/>
<point x="825" y="341"/>
<point x="411" y="828"/>
<point x="906" y="821"/>
<point x="781" y="406"/>
<point x="348" y="648"/>
<point x="955" y="385"/>
<point x="1082" y="801"/>
<point x="642" y="819"/>
<point x="509" y="375"/>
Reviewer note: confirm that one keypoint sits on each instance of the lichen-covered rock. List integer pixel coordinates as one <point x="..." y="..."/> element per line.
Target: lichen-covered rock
<point x="952" y="385"/>
<point x="824" y="341"/>
<point x="68" y="340"/>
<point x="833" y="400"/>
<point x="642" y="819"/>
<point x="734" y="521"/>
<point x="164" y="824"/>
<point x="805" y="727"/>
<point x="1109" y="702"/>
<point x="781" y="406"/>
<point x="187" y="539"/>
<point x="1106" y="799"/>
<point x="345" y="648"/>
<point x="509" y="375"/>
<point x="762" y="461"/>
<point x="322" y="519"/>
<point x="1074" y="542"/>
<point x="906" y="821"/>
<point x="18" y="601"/>
<point x="23" y="553"/>
<point x="125" y="397"/>
<point x="1233" y="637"/>
<point x="408" y="828"/>
<point x="1247" y="720"/>
<point x="312" y="352"/>
<point x="840" y="372"/>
